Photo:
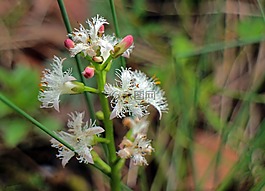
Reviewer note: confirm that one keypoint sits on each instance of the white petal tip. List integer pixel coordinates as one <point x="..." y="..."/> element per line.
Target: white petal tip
<point x="113" y="114"/>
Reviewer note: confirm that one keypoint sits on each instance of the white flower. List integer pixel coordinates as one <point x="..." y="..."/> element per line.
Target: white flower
<point x="80" y="137"/>
<point x="133" y="93"/>
<point x="55" y="82"/>
<point x="94" y="26"/>
<point x="91" y="42"/>
<point x="136" y="150"/>
<point x="88" y="41"/>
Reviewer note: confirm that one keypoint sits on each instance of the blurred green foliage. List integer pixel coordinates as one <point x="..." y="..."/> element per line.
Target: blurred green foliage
<point x="20" y="85"/>
<point x="251" y="27"/>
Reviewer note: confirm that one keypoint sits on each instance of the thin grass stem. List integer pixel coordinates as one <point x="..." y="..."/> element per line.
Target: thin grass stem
<point x="77" y="59"/>
<point x="220" y="46"/>
<point x="98" y="163"/>
<point x="116" y="26"/>
<point x="261" y="10"/>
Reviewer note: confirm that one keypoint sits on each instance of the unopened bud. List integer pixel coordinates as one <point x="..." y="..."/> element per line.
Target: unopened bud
<point x="98" y="59"/>
<point x="101" y="30"/>
<point x="88" y="72"/>
<point x="125" y="143"/>
<point x="121" y="47"/>
<point x="100" y="115"/>
<point x="127" y="122"/>
<point x="125" y="153"/>
<point x="68" y="43"/>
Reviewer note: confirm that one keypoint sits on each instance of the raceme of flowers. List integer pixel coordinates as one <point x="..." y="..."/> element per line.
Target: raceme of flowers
<point x="133" y="93"/>
<point x="80" y="136"/>
<point x="138" y="146"/>
<point x="131" y="96"/>
<point x="136" y="150"/>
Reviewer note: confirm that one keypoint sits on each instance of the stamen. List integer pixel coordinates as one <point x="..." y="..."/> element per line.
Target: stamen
<point x="156" y="80"/>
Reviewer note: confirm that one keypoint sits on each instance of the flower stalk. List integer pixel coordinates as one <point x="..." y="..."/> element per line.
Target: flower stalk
<point x="91" y="90"/>
<point x="115" y="171"/>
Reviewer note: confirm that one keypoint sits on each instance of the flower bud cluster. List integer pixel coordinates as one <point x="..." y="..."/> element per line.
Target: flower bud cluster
<point x="93" y="42"/>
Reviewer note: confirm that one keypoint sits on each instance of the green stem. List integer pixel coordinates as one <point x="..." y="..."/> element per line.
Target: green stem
<point x="101" y="140"/>
<point x="91" y="90"/>
<point x="106" y="63"/>
<point x="115" y="168"/>
<point x="34" y="121"/>
<point x="77" y="58"/>
<point x="100" y="164"/>
<point x="116" y="26"/>
<point x="114" y="16"/>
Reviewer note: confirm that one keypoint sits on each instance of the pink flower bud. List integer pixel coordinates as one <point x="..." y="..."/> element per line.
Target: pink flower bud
<point x="101" y="30"/>
<point x="97" y="59"/>
<point x="121" y="47"/>
<point x="127" y="42"/>
<point x="88" y="72"/>
<point x="68" y="43"/>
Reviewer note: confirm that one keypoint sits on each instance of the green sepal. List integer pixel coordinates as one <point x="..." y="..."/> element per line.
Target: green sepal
<point x="79" y="87"/>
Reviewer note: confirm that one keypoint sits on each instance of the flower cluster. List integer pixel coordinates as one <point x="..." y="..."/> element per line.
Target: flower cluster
<point x="136" y="150"/>
<point x="80" y="136"/>
<point x="94" y="43"/>
<point x="131" y="96"/>
<point x="139" y="146"/>
<point x="133" y="93"/>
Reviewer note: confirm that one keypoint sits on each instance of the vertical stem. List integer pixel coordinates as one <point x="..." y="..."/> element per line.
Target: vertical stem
<point x="65" y="16"/>
<point x="77" y="58"/>
<point x="116" y="26"/>
<point x="114" y="16"/>
<point x="115" y="170"/>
